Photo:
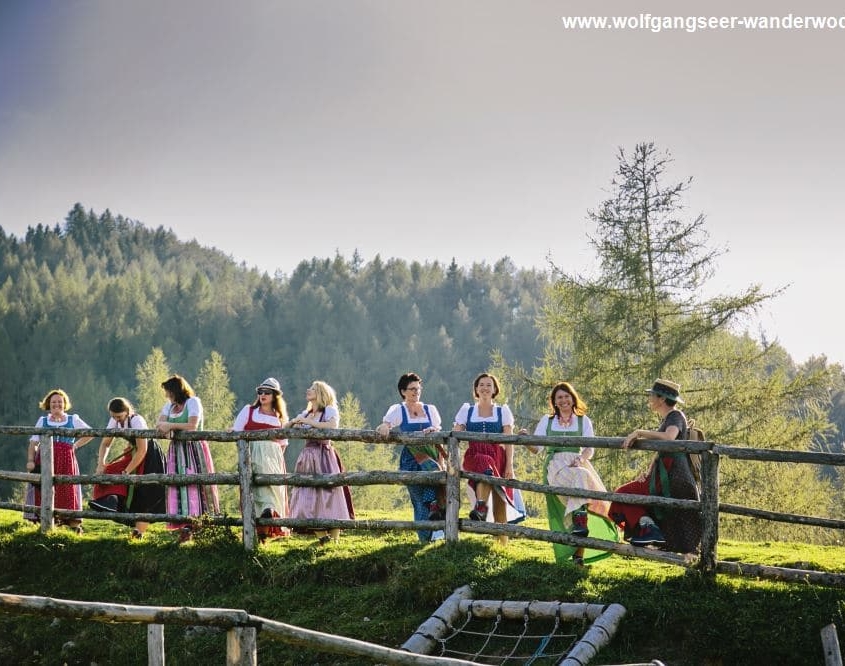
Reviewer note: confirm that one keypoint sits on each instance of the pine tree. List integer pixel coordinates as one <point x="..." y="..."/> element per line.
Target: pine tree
<point x="150" y="374"/>
<point x="218" y="401"/>
<point x="218" y="405"/>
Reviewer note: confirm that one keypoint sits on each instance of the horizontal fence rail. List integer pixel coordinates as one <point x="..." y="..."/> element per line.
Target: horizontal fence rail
<point x="242" y="627"/>
<point x="709" y="505"/>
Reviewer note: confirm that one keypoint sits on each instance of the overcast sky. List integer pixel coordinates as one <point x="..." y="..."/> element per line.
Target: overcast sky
<point x="278" y="131"/>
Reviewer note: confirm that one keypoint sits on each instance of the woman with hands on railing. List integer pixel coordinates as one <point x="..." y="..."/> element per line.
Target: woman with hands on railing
<point x="67" y="496"/>
<point x="320" y="457"/>
<point x="490" y="458"/>
<point x="267" y="456"/>
<point x="183" y="411"/>
<point x="413" y="415"/>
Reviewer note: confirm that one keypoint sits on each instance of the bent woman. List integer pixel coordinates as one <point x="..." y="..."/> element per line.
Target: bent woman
<point x="141" y="456"/>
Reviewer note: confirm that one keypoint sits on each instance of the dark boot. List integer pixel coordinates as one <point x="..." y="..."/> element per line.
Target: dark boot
<point x="479" y="512"/>
<point x="579" y="523"/>
<point x="435" y="512"/>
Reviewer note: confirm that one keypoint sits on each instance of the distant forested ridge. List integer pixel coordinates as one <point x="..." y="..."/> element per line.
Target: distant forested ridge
<point x="83" y="303"/>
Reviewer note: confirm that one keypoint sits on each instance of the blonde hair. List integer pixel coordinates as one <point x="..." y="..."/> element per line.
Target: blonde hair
<point x="326" y="397"/>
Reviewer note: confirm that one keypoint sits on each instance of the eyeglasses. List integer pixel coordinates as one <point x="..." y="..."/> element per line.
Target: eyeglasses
<point x="264" y="392"/>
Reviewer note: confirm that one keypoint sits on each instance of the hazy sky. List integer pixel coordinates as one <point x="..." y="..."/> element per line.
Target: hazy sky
<point x="277" y="131"/>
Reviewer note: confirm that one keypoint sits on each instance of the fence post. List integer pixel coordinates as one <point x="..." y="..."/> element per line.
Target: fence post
<point x="45" y="449"/>
<point x="830" y="645"/>
<point x="241" y="647"/>
<point x="155" y="645"/>
<point x="453" y="489"/>
<point x="709" y="512"/>
<point x="247" y="504"/>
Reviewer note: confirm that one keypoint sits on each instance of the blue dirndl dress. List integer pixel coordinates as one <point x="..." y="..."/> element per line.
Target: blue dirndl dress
<point x="419" y="459"/>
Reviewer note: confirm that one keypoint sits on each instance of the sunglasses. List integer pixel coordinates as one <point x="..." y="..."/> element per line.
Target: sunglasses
<point x="265" y="392"/>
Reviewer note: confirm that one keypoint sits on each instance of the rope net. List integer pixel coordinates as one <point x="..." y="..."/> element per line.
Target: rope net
<point x="515" y="633"/>
<point x="498" y="640"/>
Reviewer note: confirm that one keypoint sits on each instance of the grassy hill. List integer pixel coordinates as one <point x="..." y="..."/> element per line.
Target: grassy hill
<point x="380" y="587"/>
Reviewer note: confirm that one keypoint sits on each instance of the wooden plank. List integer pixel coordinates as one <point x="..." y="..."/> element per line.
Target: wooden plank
<point x="596" y="637"/>
<point x="737" y="510"/>
<point x="709" y="513"/>
<point x="830" y="645"/>
<point x="247" y="498"/>
<point x="155" y="645"/>
<point x="453" y="490"/>
<point x="777" y="455"/>
<point x="45" y="447"/>
<point x="241" y="647"/>
<point x="781" y="573"/>
<point x="107" y="612"/>
<point x="425" y="638"/>
<point x="517" y="610"/>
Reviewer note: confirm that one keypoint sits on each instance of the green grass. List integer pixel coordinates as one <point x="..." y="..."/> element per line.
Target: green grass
<point x="379" y="587"/>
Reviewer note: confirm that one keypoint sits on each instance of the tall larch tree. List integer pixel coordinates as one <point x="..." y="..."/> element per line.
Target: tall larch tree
<point x="644" y="316"/>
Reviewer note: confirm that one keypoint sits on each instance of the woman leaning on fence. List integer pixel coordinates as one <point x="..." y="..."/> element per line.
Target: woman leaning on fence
<point x="668" y="476"/>
<point x="490" y="458"/>
<point x="413" y="415"/>
<point x="67" y="496"/>
<point x="141" y="456"/>
<point x="183" y="412"/>
<point x="320" y="457"/>
<point x="267" y="456"/>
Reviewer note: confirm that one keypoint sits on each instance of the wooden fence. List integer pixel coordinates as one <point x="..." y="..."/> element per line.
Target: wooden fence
<point x="241" y="630"/>
<point x="709" y="506"/>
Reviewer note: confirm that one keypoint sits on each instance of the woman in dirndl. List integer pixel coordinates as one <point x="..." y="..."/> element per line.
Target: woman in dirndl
<point x="183" y="411"/>
<point x="413" y="415"/>
<point x="490" y="458"/>
<point x="268" y="411"/>
<point x="569" y="466"/>
<point x="320" y="457"/>
<point x="141" y="456"/>
<point x="67" y="496"/>
<point x="669" y="475"/>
